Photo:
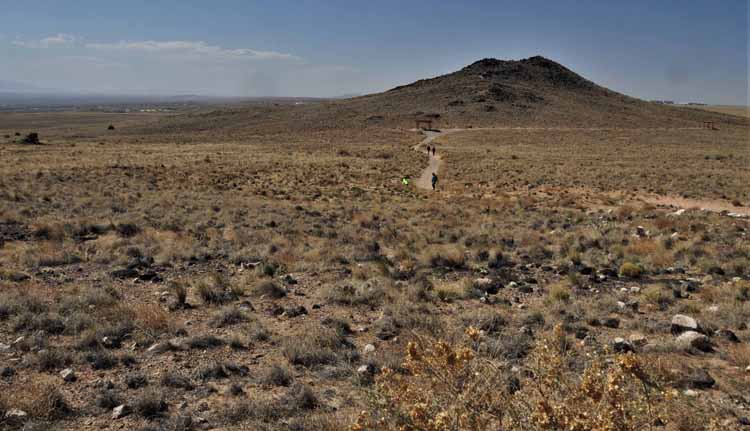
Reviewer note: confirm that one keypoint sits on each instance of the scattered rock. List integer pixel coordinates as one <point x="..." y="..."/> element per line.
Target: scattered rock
<point x="609" y="322"/>
<point x="275" y="310"/>
<point x="151" y="276"/>
<point x="5" y="348"/>
<point x="728" y="334"/>
<point x="638" y="340"/>
<point x="159" y="348"/>
<point x="697" y="378"/>
<point x="15" y="414"/>
<point x="124" y="273"/>
<point x="488" y="285"/>
<point x="620" y="345"/>
<point x="295" y="311"/>
<point x="690" y="285"/>
<point x="682" y="323"/>
<point x="694" y="340"/>
<point x="385" y="328"/>
<point x="120" y="411"/>
<point x="288" y="279"/>
<point x="68" y="375"/>
<point x="744" y="420"/>
<point x="369" y="348"/>
<point x="366" y="370"/>
<point x="17" y="277"/>
<point x="110" y="342"/>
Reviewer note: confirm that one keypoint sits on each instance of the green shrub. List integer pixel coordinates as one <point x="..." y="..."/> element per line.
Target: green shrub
<point x="632" y="270"/>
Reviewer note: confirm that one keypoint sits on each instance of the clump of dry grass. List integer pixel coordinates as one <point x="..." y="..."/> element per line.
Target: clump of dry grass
<point x="318" y="346"/>
<point x="629" y="269"/>
<point x="228" y="316"/>
<point x="560" y="292"/>
<point x="151" y="319"/>
<point x="269" y="289"/>
<point x="216" y="289"/>
<point x="448" y="256"/>
<point x="659" y="295"/>
<point x="355" y="294"/>
<point x="454" y="290"/>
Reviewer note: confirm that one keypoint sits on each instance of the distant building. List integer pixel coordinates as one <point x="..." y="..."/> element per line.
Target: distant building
<point x="663" y="102"/>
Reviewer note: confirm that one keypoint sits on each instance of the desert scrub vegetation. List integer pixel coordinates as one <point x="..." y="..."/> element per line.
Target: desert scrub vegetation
<point x="447" y="256"/>
<point x="455" y="290"/>
<point x="318" y="346"/>
<point x="450" y="386"/>
<point x="216" y="289"/>
<point x="41" y="399"/>
<point x="632" y="270"/>
<point x="559" y="292"/>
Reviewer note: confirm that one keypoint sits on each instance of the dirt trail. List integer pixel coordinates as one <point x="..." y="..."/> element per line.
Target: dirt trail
<point x="435" y="162"/>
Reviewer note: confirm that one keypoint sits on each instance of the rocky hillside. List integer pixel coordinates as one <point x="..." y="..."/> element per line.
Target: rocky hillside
<point x="533" y="91"/>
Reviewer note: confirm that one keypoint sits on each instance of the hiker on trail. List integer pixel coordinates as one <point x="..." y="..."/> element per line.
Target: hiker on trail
<point x="428" y="150"/>
<point x="433" y="150"/>
<point x="405" y="181"/>
<point x="434" y="180"/>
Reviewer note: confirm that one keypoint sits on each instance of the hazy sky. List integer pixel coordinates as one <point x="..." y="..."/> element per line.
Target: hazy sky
<point x="684" y="50"/>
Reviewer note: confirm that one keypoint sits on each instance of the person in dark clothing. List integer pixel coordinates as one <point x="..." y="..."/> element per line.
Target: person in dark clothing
<point x="434" y="180"/>
<point x="433" y="150"/>
<point x="428" y="150"/>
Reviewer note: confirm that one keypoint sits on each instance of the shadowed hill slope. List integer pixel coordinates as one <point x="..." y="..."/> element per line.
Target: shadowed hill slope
<point x="530" y="92"/>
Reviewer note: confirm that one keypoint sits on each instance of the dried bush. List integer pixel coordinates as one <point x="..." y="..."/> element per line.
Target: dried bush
<point x="450" y="387"/>
<point x="215" y="289"/>
<point x="228" y="316"/>
<point x="319" y="346"/>
<point x="40" y="399"/>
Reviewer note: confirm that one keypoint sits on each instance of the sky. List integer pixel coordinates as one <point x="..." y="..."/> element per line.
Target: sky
<point x="681" y="50"/>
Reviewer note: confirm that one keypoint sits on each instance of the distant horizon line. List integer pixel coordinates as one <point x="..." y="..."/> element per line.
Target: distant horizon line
<point x="61" y="94"/>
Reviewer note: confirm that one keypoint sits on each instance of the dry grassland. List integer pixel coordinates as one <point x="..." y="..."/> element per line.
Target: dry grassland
<point x="257" y="280"/>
